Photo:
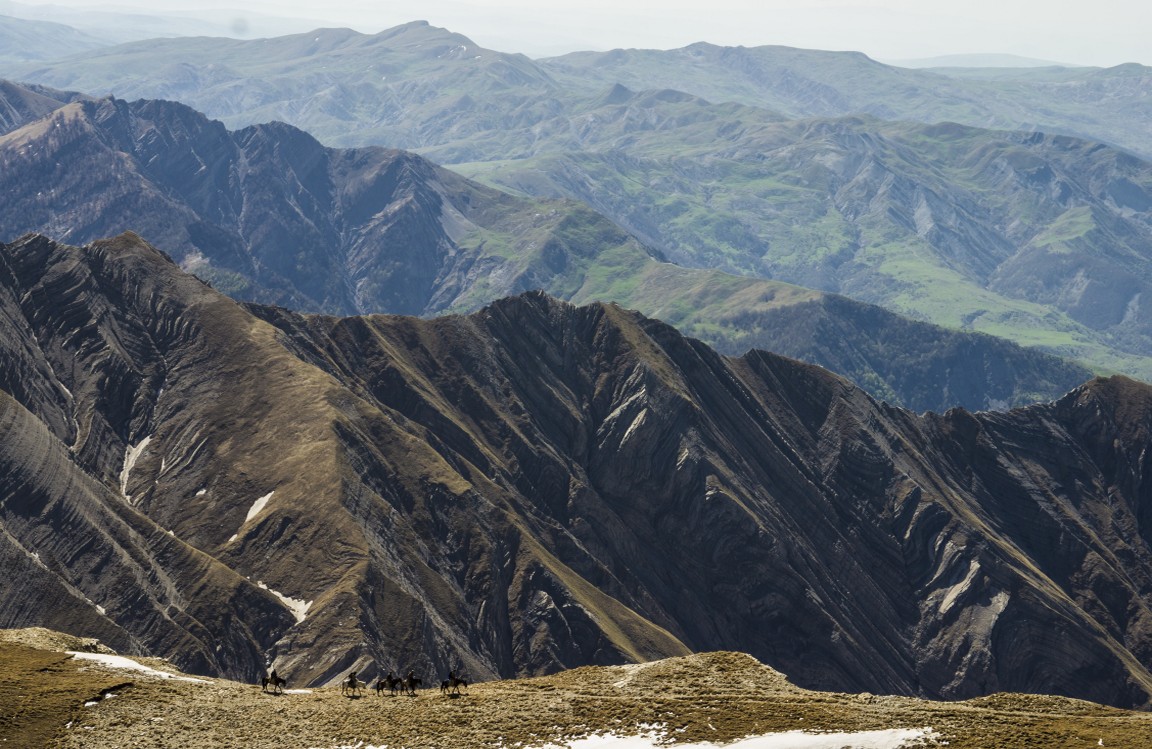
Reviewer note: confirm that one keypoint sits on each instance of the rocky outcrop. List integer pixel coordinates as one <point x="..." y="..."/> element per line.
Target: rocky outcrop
<point x="538" y="485"/>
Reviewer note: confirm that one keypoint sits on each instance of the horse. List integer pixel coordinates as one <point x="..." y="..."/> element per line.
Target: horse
<point x="409" y="684"/>
<point x="389" y="682"/>
<point x="276" y="682"/>
<point x="351" y="686"/>
<point x="451" y="685"/>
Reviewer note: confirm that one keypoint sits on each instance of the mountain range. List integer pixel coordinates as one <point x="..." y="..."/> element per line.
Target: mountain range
<point x="23" y="40"/>
<point x="216" y="450"/>
<point x="350" y="88"/>
<point x="769" y="162"/>
<point x="268" y="214"/>
<point x="535" y="486"/>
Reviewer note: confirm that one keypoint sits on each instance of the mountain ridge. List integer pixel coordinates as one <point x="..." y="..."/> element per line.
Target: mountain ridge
<point x="536" y="486"/>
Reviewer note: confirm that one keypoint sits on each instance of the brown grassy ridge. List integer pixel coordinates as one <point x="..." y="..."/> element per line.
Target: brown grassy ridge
<point x="715" y="697"/>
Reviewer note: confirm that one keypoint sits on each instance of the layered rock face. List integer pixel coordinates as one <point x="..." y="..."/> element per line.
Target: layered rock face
<point x="537" y="486"/>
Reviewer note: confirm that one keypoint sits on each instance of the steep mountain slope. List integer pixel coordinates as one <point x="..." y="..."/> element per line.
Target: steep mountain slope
<point x="897" y="359"/>
<point x="20" y="105"/>
<point x="538" y="485"/>
<point x="267" y="214"/>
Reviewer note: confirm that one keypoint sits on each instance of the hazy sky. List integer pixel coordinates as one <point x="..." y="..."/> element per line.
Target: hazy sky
<point x="1101" y="32"/>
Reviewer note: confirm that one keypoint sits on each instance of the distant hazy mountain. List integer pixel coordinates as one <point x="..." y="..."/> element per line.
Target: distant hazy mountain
<point x="418" y="85"/>
<point x="24" y="41"/>
<point x="978" y="61"/>
<point x="1111" y="105"/>
<point x="1034" y="237"/>
<point x="538" y="486"/>
<point x="115" y="26"/>
<point x="268" y="214"/>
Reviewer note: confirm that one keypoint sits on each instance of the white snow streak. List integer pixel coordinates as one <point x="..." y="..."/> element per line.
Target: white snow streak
<point x="258" y="505"/>
<point x="959" y="588"/>
<point x="636" y="424"/>
<point x="120" y="662"/>
<point x="35" y="557"/>
<point x="298" y="607"/>
<point x="892" y="738"/>
<point x="131" y="455"/>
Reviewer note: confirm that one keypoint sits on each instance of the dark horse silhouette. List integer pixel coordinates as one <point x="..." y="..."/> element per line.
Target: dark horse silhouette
<point x="452" y="684"/>
<point x="409" y="684"/>
<point x="351" y="686"/>
<point x="275" y="681"/>
<point x="389" y="682"/>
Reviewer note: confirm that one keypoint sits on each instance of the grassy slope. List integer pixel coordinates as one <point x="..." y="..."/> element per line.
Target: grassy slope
<point x="717" y="697"/>
<point x="788" y="215"/>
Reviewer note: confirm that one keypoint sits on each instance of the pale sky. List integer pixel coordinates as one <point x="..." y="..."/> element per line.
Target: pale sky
<point x="1101" y="32"/>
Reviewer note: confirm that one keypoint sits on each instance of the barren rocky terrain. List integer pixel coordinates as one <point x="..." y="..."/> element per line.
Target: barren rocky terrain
<point x="54" y="700"/>
<point x="537" y="487"/>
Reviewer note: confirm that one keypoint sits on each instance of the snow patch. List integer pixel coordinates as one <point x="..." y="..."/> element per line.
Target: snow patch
<point x="94" y="703"/>
<point x="959" y="588"/>
<point x="636" y="424"/>
<point x="259" y="505"/>
<point x="1132" y="310"/>
<point x="127" y="664"/>
<point x="298" y="607"/>
<point x="35" y="557"/>
<point x="131" y="455"/>
<point x="892" y="738"/>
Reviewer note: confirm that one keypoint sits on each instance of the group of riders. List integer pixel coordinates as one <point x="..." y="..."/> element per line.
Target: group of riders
<point x="352" y="685"/>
